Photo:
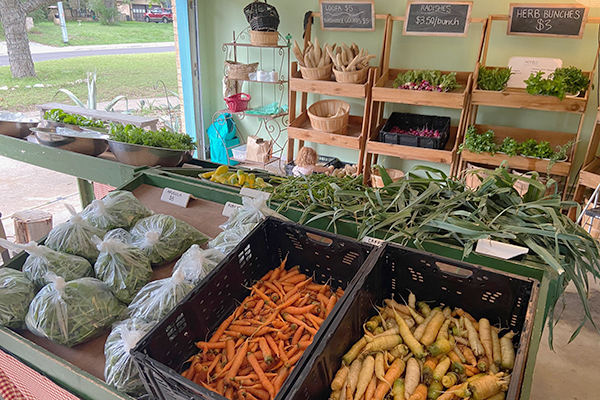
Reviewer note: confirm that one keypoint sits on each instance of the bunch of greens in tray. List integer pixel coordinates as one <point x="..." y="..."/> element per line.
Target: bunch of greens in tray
<point x="561" y="82"/>
<point x="429" y="206"/>
<point x="163" y="138"/>
<point x="479" y="143"/>
<point x="58" y="115"/>
<point x="426" y="80"/>
<point x="494" y="79"/>
<point x="16" y="292"/>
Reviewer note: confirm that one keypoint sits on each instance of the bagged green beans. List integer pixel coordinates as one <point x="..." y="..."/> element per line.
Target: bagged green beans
<point x="253" y="211"/>
<point x="118" y="209"/>
<point x="120" y="370"/>
<point x="72" y="312"/>
<point x="123" y="267"/>
<point x="163" y="237"/>
<point x="43" y="259"/>
<point x="226" y="241"/>
<point x="16" y="292"/>
<point x="157" y="298"/>
<point x="75" y="237"/>
<point x="196" y="263"/>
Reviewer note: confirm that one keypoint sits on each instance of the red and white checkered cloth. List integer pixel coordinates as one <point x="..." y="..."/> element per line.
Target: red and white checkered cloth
<point x="19" y="382"/>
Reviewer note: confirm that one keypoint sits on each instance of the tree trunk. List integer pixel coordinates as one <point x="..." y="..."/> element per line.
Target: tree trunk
<point x="12" y="17"/>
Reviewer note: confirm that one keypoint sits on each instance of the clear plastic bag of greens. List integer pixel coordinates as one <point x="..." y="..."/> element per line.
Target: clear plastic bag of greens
<point x="157" y="298"/>
<point x="123" y="267"/>
<point x="163" y="237"/>
<point x="253" y="211"/>
<point x="118" y="209"/>
<point x="72" y="312"/>
<point x="75" y="237"/>
<point x="120" y="370"/>
<point x="226" y="241"/>
<point x="43" y="259"/>
<point x="16" y="292"/>
<point x="196" y="263"/>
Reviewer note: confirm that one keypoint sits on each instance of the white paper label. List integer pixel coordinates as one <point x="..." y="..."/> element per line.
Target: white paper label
<point x="523" y="67"/>
<point x="176" y="197"/>
<point x="499" y="249"/>
<point x="373" y="241"/>
<point x="244" y="191"/>
<point x="230" y="209"/>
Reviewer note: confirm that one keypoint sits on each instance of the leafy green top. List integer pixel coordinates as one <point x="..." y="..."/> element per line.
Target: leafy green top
<point x="58" y="115"/>
<point x="162" y="138"/>
<point x="493" y="78"/>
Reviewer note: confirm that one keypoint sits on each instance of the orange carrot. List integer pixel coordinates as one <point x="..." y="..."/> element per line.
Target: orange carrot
<point x="229" y="393"/>
<point x="259" y="393"/>
<point x="249" y="396"/>
<point x="323" y="299"/>
<point x="261" y="374"/>
<point x="393" y="373"/>
<point x="297" y="335"/>
<point x="220" y="386"/>
<point x="212" y="366"/>
<point x="295" y="279"/>
<point x="281" y="376"/>
<point x="263" y="296"/>
<point x="299" y="310"/>
<point x="237" y="363"/>
<point x="330" y="304"/>
<point x="292" y="319"/>
<point x="210" y="345"/>
<point x="294" y="359"/>
<point x="314" y="319"/>
<point x="249" y="330"/>
<point x="217" y="335"/>
<point x="266" y="350"/>
<point x="420" y="393"/>
<point x="259" y="305"/>
<point x="272" y="344"/>
<point x="291" y="272"/>
<point x="303" y="344"/>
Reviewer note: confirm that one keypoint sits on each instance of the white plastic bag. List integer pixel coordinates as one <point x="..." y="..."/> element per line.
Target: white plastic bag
<point x="43" y="259"/>
<point x="72" y="312"/>
<point x="118" y="209"/>
<point x="226" y="241"/>
<point x="123" y="267"/>
<point x="120" y="370"/>
<point x="75" y="237"/>
<point x="16" y="292"/>
<point x="196" y="263"/>
<point x="157" y="298"/>
<point x="253" y="211"/>
<point x="163" y="237"/>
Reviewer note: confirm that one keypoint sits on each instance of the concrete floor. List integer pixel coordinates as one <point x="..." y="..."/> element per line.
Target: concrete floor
<point x="571" y="372"/>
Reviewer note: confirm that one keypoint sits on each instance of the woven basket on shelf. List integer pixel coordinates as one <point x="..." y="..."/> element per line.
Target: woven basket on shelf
<point x="262" y="16"/>
<point x="359" y="76"/>
<point x="317" y="74"/>
<point x="263" y="38"/>
<point x="321" y="115"/>
<point x="239" y="71"/>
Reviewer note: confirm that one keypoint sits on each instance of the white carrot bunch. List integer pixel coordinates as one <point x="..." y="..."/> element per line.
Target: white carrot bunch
<point x="350" y="58"/>
<point x="313" y="56"/>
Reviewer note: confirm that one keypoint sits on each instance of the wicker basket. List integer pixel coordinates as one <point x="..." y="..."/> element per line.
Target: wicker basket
<point x="359" y="76"/>
<point x="320" y="121"/>
<point x="263" y="38"/>
<point x="262" y="16"/>
<point x="317" y="74"/>
<point x="239" y="71"/>
<point x="377" y="181"/>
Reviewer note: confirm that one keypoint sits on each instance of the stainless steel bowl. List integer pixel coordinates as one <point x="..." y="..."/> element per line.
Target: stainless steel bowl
<point x="16" y="129"/>
<point x="138" y="155"/>
<point x="91" y="146"/>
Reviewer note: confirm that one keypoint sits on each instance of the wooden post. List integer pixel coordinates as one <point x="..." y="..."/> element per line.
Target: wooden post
<point x="31" y="225"/>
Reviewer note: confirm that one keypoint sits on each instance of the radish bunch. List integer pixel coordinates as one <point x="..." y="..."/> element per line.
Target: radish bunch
<point x="425" y="85"/>
<point x="421" y="132"/>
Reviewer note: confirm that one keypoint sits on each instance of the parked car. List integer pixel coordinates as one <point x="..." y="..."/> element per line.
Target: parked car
<point x="159" y="14"/>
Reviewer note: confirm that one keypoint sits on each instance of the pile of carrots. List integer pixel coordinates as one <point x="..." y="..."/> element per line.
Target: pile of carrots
<point x="254" y="350"/>
<point x="411" y="352"/>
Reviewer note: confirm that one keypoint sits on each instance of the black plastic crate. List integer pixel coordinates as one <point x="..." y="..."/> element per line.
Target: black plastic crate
<point x="325" y="160"/>
<point x="396" y="270"/>
<point x="327" y="257"/>
<point x="407" y="121"/>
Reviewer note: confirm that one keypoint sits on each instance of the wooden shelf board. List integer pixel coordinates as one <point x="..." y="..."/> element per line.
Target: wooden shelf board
<point x="301" y="129"/>
<point x="415" y="153"/>
<point x="517" y="162"/>
<point x="384" y="91"/>
<point x="519" y="98"/>
<point x="329" y="88"/>
<point x="590" y="174"/>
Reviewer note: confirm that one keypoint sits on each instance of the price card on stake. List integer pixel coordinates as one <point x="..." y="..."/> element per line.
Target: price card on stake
<point x="437" y="18"/>
<point x="349" y="15"/>
<point x="373" y="241"/>
<point x="230" y="209"/>
<point x="244" y="191"/>
<point x="562" y="20"/>
<point x="176" y="197"/>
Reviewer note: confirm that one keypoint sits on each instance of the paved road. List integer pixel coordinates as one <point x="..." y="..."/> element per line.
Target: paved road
<point x="95" y="52"/>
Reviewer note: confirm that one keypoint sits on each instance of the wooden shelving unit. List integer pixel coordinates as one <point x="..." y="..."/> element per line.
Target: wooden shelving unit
<point x="300" y="128"/>
<point x="384" y="92"/>
<point x="518" y="98"/>
<point x="589" y="176"/>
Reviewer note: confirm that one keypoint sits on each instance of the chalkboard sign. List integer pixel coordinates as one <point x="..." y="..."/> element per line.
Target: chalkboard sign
<point x="563" y="20"/>
<point x="347" y="15"/>
<point x="426" y="18"/>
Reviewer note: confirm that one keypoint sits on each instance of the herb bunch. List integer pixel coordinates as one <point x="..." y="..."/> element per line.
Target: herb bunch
<point x="559" y="83"/>
<point x="494" y="79"/>
<point x="163" y="138"/>
<point x="58" y="115"/>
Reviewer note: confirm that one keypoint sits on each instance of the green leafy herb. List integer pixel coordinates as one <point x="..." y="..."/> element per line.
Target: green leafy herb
<point x="560" y="83"/>
<point x="509" y="146"/>
<point x="479" y="143"/>
<point x="543" y="150"/>
<point x="58" y="115"/>
<point x="493" y="78"/>
<point x="162" y="138"/>
<point x="427" y="80"/>
<point x="573" y="78"/>
<point x="528" y="148"/>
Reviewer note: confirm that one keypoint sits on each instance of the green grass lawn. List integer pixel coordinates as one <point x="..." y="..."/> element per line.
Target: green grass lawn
<point x="132" y="75"/>
<point x="96" y="33"/>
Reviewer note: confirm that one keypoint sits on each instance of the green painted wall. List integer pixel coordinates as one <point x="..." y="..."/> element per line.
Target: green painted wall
<point x="220" y="18"/>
